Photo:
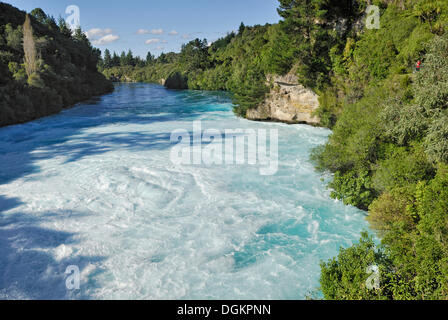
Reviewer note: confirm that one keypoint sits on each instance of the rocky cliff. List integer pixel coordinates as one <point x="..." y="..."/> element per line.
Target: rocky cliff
<point x="288" y="101"/>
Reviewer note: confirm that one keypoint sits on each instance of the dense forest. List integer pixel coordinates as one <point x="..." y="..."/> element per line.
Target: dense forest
<point x="44" y="66"/>
<point x="388" y="151"/>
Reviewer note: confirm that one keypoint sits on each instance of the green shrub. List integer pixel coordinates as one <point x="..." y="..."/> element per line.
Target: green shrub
<point x="402" y="167"/>
<point x="389" y="211"/>
<point x="353" y="188"/>
<point x="346" y="277"/>
<point x="436" y="141"/>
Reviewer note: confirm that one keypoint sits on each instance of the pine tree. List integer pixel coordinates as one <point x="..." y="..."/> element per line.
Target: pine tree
<point x="40" y="15"/>
<point x="305" y="23"/>
<point x="162" y="58"/>
<point x="149" y="58"/>
<point x="123" y="59"/>
<point x="80" y="36"/>
<point x="130" y="59"/>
<point x="115" y="60"/>
<point x="107" y="61"/>
<point x="64" y="28"/>
<point x="242" y="28"/>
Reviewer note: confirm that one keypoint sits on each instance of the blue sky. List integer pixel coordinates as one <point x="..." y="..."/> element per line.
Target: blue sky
<point x="163" y="25"/>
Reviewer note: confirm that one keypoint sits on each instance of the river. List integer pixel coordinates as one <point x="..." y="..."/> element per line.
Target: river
<point x="93" y="189"/>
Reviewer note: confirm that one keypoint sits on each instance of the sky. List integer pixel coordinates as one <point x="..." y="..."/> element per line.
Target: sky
<point x="156" y="25"/>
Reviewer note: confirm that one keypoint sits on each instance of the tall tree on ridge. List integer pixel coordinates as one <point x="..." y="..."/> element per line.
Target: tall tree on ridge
<point x="115" y="60"/>
<point x="64" y="28"/>
<point x="107" y="59"/>
<point x="29" y="47"/>
<point x="130" y="59"/>
<point x="123" y="58"/>
<point x="40" y="15"/>
<point x="149" y="58"/>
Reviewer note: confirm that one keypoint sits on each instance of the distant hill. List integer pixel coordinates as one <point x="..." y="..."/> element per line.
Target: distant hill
<point x="43" y="66"/>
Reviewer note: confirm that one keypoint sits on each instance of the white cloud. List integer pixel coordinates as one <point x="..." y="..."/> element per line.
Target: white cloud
<point x="101" y="37"/>
<point x="143" y="31"/>
<point x="164" y="41"/>
<point x="153" y="31"/>
<point x="173" y="33"/>
<point x="106" y="40"/>
<point x="96" y="33"/>
<point x="186" y="36"/>
<point x="160" y="48"/>
<point x="151" y="41"/>
<point x="157" y="31"/>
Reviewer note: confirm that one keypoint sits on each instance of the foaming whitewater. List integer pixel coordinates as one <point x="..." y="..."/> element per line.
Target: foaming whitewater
<point x="94" y="187"/>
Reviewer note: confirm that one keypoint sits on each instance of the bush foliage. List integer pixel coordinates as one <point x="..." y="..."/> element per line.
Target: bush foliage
<point x="388" y="152"/>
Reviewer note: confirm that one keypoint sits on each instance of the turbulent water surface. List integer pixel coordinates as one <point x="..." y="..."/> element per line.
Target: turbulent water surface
<point x="94" y="187"/>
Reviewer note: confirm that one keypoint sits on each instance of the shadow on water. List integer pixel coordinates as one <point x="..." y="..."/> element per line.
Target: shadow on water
<point x="28" y="268"/>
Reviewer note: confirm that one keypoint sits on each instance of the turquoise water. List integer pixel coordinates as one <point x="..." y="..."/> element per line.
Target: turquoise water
<point x="94" y="187"/>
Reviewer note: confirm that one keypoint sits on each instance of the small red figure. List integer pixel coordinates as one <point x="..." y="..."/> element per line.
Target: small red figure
<point x="419" y="64"/>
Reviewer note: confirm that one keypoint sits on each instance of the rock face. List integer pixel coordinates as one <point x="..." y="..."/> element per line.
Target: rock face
<point x="288" y="102"/>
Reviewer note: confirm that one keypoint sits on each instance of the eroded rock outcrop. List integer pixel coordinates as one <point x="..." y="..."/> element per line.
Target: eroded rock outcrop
<point x="288" y="101"/>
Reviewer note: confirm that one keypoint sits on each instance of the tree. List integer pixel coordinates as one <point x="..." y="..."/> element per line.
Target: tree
<point x="249" y="88"/>
<point x="139" y="62"/>
<point x="64" y="28"/>
<point x="45" y="19"/>
<point x="123" y="58"/>
<point x="162" y="58"/>
<point x="429" y="11"/>
<point x="241" y="28"/>
<point x="81" y="37"/>
<point x="431" y="95"/>
<point x="129" y="60"/>
<point x="194" y="55"/>
<point x="51" y="23"/>
<point x="278" y="57"/>
<point x="116" y="61"/>
<point x="149" y="58"/>
<point x="29" y="47"/>
<point x="40" y="15"/>
<point x="306" y="23"/>
<point x="94" y="58"/>
<point x="13" y="37"/>
<point x="107" y="61"/>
